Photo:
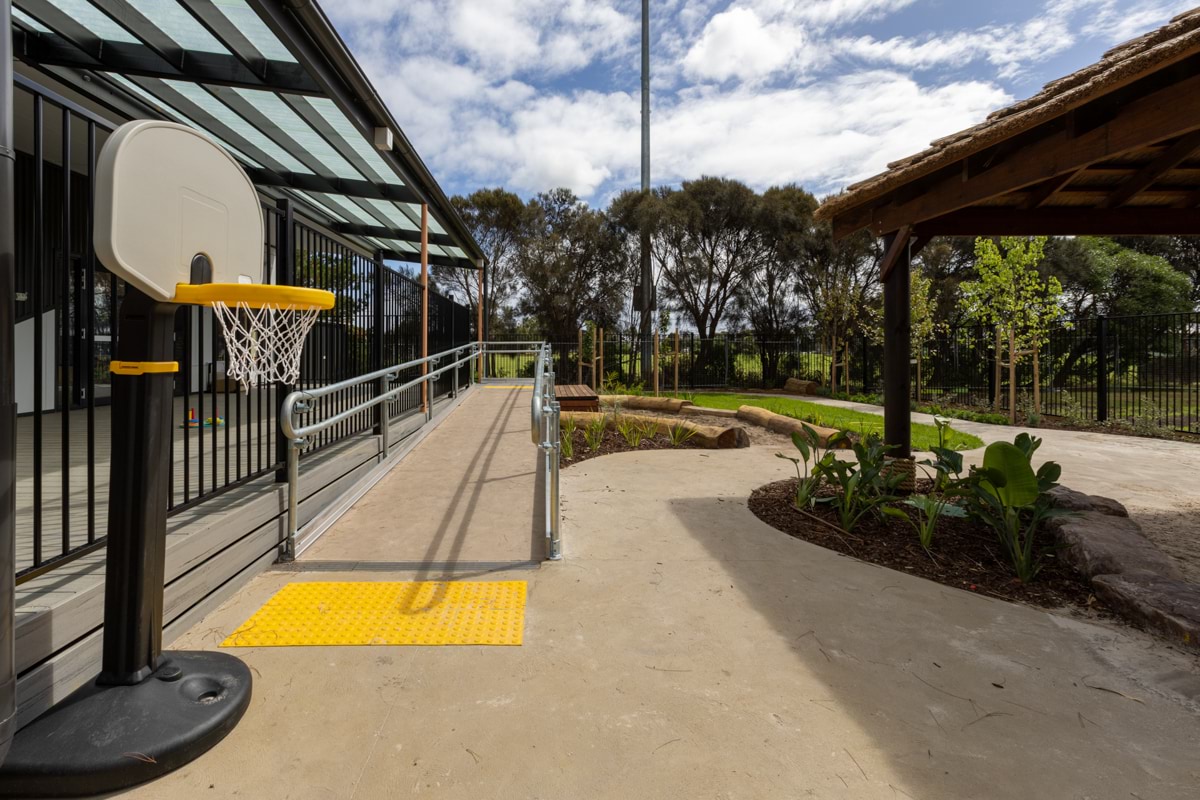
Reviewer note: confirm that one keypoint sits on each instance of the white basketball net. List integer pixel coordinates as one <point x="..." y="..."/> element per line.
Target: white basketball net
<point x="263" y="344"/>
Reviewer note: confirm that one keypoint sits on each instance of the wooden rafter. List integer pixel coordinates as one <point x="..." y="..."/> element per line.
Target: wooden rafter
<point x="1041" y="194"/>
<point x="1166" y="161"/>
<point x="1168" y="113"/>
<point x="897" y="248"/>
<point x="1127" y="221"/>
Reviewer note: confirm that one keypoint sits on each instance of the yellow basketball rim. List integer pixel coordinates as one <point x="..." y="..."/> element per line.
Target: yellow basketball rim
<point x="254" y="295"/>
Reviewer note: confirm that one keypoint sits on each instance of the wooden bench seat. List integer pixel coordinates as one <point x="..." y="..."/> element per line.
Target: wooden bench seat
<point x="576" y="397"/>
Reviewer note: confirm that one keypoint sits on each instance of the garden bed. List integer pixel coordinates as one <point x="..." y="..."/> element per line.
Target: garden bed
<point x="966" y="554"/>
<point x="613" y="442"/>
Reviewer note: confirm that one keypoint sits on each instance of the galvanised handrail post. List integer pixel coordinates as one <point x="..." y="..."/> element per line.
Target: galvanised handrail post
<point x="555" y="552"/>
<point x="546" y="432"/>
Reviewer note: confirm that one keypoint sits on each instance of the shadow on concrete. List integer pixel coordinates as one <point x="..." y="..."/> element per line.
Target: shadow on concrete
<point x="467" y="491"/>
<point x="964" y="696"/>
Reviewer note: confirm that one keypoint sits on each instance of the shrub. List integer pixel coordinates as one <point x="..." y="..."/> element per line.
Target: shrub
<point x="865" y="486"/>
<point x="630" y="430"/>
<point x="1148" y="421"/>
<point x="930" y="508"/>
<point x="680" y="434"/>
<point x="1009" y="497"/>
<point x="567" y="440"/>
<point x="809" y="445"/>
<point x="593" y="434"/>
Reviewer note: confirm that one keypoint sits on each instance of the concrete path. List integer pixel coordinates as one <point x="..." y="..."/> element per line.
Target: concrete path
<point x="683" y="649"/>
<point x="1156" y="479"/>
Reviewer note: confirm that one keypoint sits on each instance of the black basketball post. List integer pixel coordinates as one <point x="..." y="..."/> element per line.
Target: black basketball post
<point x="166" y="708"/>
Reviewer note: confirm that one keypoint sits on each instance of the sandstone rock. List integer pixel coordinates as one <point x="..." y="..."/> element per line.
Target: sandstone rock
<point x="1072" y="500"/>
<point x="1100" y="544"/>
<point x="1106" y="505"/>
<point x="797" y="386"/>
<point x="1168" y="604"/>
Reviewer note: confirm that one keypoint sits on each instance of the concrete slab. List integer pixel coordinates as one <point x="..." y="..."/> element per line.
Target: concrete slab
<point x="685" y="649"/>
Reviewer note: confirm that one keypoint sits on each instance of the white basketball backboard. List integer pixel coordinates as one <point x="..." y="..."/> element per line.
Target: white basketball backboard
<point x="166" y="193"/>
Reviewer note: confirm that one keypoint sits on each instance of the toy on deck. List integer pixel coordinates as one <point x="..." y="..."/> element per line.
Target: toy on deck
<point x="193" y="422"/>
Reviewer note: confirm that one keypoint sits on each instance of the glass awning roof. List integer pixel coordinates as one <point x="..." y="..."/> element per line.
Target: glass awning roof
<point x="228" y="68"/>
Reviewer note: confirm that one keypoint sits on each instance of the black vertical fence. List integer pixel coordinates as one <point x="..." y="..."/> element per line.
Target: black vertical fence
<point x="1101" y="369"/>
<point x="224" y="434"/>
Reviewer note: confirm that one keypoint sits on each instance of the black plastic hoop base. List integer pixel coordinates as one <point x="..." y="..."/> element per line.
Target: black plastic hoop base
<point x="104" y="738"/>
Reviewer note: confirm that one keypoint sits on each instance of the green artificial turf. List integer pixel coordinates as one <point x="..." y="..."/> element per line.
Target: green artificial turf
<point x="923" y="436"/>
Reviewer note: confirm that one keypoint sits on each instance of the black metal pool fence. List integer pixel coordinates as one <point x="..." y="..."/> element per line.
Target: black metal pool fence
<point x="1098" y="369"/>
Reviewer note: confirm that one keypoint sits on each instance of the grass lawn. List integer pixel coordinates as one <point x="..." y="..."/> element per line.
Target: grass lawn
<point x="923" y="436"/>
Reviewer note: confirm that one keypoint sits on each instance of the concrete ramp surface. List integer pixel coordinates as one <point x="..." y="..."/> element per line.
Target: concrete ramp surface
<point x="463" y="498"/>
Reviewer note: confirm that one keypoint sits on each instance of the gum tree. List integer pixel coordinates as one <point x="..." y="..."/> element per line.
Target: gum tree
<point x="1011" y="295"/>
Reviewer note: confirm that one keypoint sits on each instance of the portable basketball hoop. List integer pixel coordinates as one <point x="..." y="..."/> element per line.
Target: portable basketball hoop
<point x="179" y="220"/>
<point x="202" y="246"/>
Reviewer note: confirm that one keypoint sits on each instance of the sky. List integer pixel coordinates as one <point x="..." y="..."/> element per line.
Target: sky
<point x="537" y="94"/>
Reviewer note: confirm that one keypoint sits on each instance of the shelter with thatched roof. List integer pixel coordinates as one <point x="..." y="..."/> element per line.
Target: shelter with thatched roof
<point x="1109" y="150"/>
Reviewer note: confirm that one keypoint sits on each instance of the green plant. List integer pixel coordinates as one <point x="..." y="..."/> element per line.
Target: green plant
<point x="809" y="444"/>
<point x="1148" y="421"/>
<point x="567" y="440"/>
<point x="649" y="429"/>
<point x="930" y="508"/>
<point x="630" y="431"/>
<point x="945" y="464"/>
<point x="612" y="384"/>
<point x="1072" y="411"/>
<point x="593" y="434"/>
<point x="680" y="434"/>
<point x="865" y="485"/>
<point x="1009" y="497"/>
<point x="962" y="413"/>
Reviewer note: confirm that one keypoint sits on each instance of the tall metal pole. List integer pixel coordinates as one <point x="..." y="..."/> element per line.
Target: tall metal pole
<point x="647" y="277"/>
<point x="424" y="304"/>
<point x="8" y="407"/>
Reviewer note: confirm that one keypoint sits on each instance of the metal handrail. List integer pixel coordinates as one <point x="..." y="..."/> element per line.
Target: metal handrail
<point x="544" y="423"/>
<point x="303" y="400"/>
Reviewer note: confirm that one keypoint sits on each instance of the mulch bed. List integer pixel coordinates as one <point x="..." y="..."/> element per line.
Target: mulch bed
<point x="966" y="554"/>
<point x="614" y="442"/>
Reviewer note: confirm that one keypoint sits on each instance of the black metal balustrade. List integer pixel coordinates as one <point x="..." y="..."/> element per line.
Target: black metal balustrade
<point x="67" y="306"/>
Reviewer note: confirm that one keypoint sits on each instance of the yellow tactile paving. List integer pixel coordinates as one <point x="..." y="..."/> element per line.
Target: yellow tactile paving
<point x="387" y="613"/>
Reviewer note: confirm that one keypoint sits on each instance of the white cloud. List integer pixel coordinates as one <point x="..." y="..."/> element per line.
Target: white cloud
<point x="534" y="94"/>
<point x="1010" y="48"/>
<point x="824" y="135"/>
<point x="738" y="44"/>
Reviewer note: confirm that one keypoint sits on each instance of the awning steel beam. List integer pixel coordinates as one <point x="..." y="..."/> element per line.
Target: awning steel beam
<point x="84" y="50"/>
